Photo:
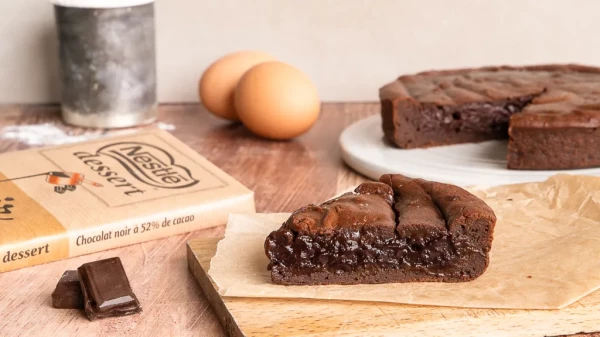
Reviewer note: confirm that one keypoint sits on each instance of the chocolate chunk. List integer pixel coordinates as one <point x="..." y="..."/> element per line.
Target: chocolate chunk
<point x="67" y="294"/>
<point x="396" y="230"/>
<point x="106" y="290"/>
<point x="550" y="113"/>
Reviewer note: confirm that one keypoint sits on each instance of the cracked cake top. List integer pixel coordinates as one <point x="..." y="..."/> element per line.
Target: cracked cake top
<point x="565" y="95"/>
<point x="396" y="205"/>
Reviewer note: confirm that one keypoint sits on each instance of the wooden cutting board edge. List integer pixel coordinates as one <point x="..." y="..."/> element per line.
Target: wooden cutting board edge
<point x="199" y="253"/>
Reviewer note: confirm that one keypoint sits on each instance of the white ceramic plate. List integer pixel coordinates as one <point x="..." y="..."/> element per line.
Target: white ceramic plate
<point x="364" y="149"/>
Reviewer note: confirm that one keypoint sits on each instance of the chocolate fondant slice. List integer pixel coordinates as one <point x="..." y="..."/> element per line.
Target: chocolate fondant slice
<point x="67" y="294"/>
<point x="396" y="230"/>
<point x="106" y="290"/>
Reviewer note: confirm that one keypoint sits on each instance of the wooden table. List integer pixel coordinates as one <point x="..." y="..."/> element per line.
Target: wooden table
<point x="284" y="176"/>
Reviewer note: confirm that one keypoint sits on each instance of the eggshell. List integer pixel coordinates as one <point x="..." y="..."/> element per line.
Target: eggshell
<point x="277" y="101"/>
<point x="217" y="84"/>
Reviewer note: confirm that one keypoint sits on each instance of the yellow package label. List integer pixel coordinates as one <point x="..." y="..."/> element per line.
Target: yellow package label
<point x="30" y="234"/>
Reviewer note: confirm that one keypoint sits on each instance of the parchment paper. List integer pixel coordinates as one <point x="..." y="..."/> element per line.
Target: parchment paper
<point x="545" y="254"/>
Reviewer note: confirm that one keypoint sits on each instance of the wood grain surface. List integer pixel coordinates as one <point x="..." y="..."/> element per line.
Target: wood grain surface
<point x="284" y="176"/>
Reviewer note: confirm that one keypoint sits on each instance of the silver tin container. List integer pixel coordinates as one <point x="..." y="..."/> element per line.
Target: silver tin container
<point x="107" y="62"/>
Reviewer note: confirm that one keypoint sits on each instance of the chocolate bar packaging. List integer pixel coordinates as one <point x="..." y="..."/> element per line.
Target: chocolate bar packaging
<point x="81" y="198"/>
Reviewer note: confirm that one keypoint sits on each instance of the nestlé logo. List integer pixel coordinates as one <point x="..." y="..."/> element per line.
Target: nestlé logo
<point x="149" y="164"/>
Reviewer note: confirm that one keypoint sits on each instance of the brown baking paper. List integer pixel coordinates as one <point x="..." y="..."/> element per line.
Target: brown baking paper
<point x="545" y="254"/>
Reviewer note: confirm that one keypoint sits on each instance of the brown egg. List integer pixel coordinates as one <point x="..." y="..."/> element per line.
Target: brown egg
<point x="277" y="101"/>
<point x="218" y="82"/>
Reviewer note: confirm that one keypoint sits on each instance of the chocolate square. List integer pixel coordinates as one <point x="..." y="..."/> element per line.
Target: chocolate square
<point x="106" y="290"/>
<point x="68" y="294"/>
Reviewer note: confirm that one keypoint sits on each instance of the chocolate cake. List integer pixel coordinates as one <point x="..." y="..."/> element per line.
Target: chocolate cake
<point x="396" y="230"/>
<point x="549" y="113"/>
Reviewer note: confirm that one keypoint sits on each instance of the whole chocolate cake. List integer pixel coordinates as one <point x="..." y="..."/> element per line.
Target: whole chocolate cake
<point x="396" y="230"/>
<point x="549" y="113"/>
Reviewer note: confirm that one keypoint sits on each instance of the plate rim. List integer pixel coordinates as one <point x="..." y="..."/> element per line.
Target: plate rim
<point x="373" y="169"/>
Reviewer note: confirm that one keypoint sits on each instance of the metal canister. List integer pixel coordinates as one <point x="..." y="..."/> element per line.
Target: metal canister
<point x="107" y="62"/>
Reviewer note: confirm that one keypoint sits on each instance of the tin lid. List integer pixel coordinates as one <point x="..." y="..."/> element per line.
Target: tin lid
<point x="100" y="3"/>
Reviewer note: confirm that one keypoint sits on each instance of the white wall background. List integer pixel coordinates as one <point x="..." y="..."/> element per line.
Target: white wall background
<point x="348" y="47"/>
